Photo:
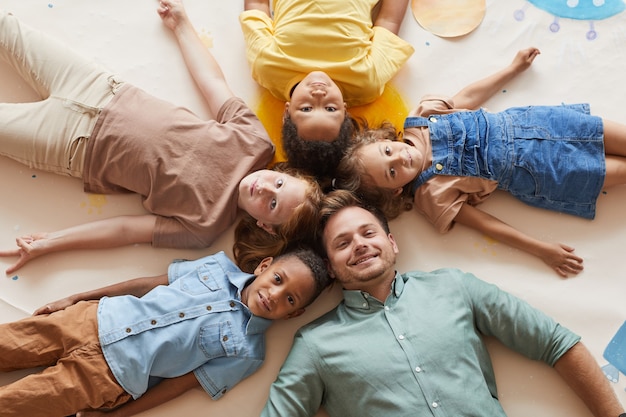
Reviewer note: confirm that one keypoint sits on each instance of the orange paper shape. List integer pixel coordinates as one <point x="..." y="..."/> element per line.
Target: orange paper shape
<point x="449" y="18"/>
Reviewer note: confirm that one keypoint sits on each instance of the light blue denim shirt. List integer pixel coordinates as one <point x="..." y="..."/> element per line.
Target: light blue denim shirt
<point x="196" y="323"/>
<point x="420" y="353"/>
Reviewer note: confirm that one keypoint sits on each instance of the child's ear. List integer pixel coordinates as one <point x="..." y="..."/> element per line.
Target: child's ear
<point x="269" y="229"/>
<point x="262" y="266"/>
<point x="286" y="112"/>
<point x="295" y="314"/>
<point x="397" y="191"/>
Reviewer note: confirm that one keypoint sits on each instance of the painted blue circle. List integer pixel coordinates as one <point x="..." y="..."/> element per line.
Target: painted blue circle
<point x="583" y="10"/>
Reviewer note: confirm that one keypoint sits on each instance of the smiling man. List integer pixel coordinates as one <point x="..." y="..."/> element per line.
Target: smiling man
<point x="413" y="343"/>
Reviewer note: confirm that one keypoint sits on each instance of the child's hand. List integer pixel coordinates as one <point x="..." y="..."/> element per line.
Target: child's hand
<point x="58" y="305"/>
<point x="525" y="58"/>
<point x="561" y="258"/>
<point x="172" y="12"/>
<point x="28" y="247"/>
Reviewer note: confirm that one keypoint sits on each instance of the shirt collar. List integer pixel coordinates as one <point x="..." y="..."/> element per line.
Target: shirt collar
<point x="363" y="301"/>
<point x="257" y="325"/>
<point x="239" y="279"/>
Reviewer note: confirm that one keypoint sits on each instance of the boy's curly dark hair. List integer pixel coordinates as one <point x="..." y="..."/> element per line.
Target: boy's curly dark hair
<point x="317" y="158"/>
<point x="314" y="262"/>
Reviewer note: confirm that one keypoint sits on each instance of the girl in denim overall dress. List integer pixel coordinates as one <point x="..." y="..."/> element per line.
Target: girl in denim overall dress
<point x="454" y="156"/>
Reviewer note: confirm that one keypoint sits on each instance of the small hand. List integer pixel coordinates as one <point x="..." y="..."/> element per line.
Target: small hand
<point x="58" y="305"/>
<point x="28" y="247"/>
<point x="561" y="258"/>
<point x="524" y="58"/>
<point x="172" y="12"/>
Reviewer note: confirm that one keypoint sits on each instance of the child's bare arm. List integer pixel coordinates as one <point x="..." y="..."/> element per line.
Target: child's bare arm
<point x="107" y="233"/>
<point x="204" y="69"/>
<point x="475" y="94"/>
<point x="391" y="14"/>
<point x="262" y="5"/>
<point x="137" y="287"/>
<point x="163" y="392"/>
<point x="559" y="257"/>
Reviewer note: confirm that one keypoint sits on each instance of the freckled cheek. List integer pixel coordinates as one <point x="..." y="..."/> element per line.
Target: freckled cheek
<point x="259" y="206"/>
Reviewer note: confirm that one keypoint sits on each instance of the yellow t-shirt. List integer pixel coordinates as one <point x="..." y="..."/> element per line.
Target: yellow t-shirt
<point x="336" y="37"/>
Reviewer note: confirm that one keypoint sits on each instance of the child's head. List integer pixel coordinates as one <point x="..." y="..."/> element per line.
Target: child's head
<point x="286" y="284"/>
<point x="377" y="167"/>
<point x="316" y="107"/>
<point x="316" y="157"/>
<point x="255" y="236"/>
<point x="277" y="197"/>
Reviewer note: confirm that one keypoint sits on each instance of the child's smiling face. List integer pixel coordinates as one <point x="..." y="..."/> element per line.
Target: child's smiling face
<point x="390" y="164"/>
<point x="317" y="108"/>
<point x="281" y="289"/>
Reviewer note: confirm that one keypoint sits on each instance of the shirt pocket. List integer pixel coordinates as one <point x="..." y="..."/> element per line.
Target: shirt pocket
<point x="201" y="281"/>
<point x="218" y="340"/>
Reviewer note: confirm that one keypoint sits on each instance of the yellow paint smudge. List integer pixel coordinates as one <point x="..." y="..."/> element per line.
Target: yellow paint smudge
<point x="94" y="203"/>
<point x="487" y="247"/>
<point x="206" y="38"/>
<point x="390" y="106"/>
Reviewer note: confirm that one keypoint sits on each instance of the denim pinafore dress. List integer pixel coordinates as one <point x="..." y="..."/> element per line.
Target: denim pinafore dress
<point x="546" y="156"/>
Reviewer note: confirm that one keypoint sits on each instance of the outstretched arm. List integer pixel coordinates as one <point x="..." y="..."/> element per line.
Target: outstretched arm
<point x="163" y="392"/>
<point x="137" y="287"/>
<point x="391" y="14"/>
<point x="475" y="94"/>
<point x="559" y="257"/>
<point x="201" y="64"/>
<point x="579" y="369"/>
<point x="262" y="5"/>
<point x="108" y="233"/>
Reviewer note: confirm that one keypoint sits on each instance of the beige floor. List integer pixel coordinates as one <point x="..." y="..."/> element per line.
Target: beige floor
<point x="129" y="38"/>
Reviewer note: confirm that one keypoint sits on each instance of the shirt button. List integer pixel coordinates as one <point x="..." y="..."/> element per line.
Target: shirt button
<point x="225" y="338"/>
<point x="433" y="119"/>
<point x="386" y="308"/>
<point x="418" y="369"/>
<point x="435" y="405"/>
<point x="209" y="308"/>
<point x="204" y="277"/>
<point x="401" y="337"/>
<point x="232" y="304"/>
<point x="181" y="315"/>
<point x="438" y="167"/>
<point x="364" y="305"/>
<point x="128" y="330"/>
<point x="153" y="322"/>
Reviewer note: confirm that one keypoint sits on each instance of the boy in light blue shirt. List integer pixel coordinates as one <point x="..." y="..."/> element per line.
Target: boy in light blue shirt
<point x="203" y="323"/>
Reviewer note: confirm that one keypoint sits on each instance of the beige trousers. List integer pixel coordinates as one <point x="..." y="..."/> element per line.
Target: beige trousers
<point x="50" y="134"/>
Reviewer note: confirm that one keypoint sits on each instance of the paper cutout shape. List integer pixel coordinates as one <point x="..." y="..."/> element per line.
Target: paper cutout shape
<point x="449" y="18"/>
<point x="615" y="353"/>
